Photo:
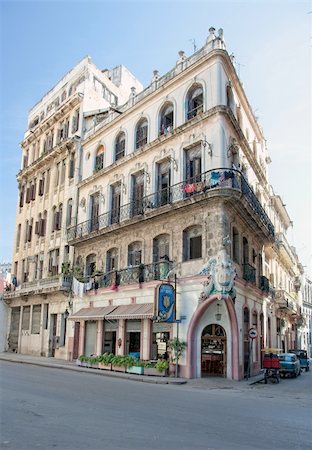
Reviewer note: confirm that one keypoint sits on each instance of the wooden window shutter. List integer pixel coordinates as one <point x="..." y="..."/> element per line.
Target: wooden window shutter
<point x="34" y="191"/>
<point x="57" y="220"/>
<point x="27" y="195"/>
<point x="71" y="168"/>
<point x="29" y="233"/>
<point x="41" y="187"/>
<point x="21" y="202"/>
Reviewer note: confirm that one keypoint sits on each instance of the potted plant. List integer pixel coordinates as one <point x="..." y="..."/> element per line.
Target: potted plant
<point x="93" y="362"/>
<point x="137" y="367"/>
<point x="149" y="368"/>
<point x="105" y="361"/>
<point x="119" y="363"/>
<point x="162" y="366"/>
<point x="82" y="361"/>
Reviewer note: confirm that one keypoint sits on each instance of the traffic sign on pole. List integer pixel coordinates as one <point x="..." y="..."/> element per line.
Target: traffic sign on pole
<point x="252" y="333"/>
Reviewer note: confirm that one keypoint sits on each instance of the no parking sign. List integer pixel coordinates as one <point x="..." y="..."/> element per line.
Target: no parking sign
<point x="252" y="333"/>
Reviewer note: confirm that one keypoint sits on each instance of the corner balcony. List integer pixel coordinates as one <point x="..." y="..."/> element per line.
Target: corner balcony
<point x="227" y="183"/>
<point x="285" y="301"/>
<point x="285" y="249"/>
<point x="43" y="286"/>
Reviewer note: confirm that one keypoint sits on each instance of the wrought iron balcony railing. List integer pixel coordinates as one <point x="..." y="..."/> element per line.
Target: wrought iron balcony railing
<point x="207" y="181"/>
<point x="249" y="273"/>
<point x="135" y="274"/>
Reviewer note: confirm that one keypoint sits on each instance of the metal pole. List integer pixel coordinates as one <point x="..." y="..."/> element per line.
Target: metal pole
<point x="177" y="358"/>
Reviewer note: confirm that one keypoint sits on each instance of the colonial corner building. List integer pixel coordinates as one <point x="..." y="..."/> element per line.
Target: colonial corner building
<point x="140" y="208"/>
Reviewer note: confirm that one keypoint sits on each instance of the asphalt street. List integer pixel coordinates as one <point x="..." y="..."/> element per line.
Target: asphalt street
<point x="43" y="408"/>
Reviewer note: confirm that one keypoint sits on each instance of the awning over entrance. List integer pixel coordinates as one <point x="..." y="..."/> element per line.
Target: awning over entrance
<point x="92" y="313"/>
<point x="136" y="311"/>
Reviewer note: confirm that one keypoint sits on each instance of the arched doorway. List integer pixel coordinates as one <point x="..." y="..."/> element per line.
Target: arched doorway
<point x="213" y="351"/>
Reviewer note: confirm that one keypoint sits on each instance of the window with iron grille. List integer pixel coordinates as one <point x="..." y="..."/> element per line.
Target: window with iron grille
<point x="195" y="101"/>
<point x="141" y="133"/>
<point x="192" y="243"/>
<point x="120" y="146"/>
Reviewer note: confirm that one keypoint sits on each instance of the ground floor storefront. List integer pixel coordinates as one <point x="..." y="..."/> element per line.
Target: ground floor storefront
<point x="125" y="322"/>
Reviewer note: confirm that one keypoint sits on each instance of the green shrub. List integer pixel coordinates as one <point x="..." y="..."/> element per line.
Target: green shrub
<point x="162" y="365"/>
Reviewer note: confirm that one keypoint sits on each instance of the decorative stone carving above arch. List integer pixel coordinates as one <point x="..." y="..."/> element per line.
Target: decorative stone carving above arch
<point x="221" y="273"/>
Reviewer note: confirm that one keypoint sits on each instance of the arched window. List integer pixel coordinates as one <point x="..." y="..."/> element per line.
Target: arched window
<point x="135" y="254"/>
<point x="194" y="101"/>
<point x="166" y="118"/>
<point x="69" y="212"/>
<point x="91" y="264"/>
<point x="235" y="245"/>
<point x="120" y="146"/>
<point x="161" y="247"/>
<point x="99" y="159"/>
<point x="112" y="259"/>
<point x="141" y="133"/>
<point x="192" y="243"/>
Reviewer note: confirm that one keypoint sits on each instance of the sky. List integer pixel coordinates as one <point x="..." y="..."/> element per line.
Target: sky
<point x="271" y="40"/>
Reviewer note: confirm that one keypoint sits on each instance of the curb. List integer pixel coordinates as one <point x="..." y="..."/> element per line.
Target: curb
<point x="161" y="380"/>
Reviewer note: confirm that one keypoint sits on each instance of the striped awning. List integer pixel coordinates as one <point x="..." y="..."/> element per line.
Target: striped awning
<point x="133" y="311"/>
<point x="92" y="313"/>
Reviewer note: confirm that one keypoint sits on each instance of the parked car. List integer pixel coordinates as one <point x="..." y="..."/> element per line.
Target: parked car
<point x="290" y="364"/>
<point x="303" y="358"/>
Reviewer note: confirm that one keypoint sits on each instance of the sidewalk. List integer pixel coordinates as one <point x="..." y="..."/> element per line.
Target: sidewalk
<point x="202" y="383"/>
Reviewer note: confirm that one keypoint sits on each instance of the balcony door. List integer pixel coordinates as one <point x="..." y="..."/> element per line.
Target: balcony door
<point x="137" y="193"/>
<point x="163" y="187"/>
<point x="193" y="164"/>
<point x="115" y="202"/>
<point x="95" y="206"/>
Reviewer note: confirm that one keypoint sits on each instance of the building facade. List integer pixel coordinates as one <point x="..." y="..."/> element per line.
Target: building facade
<point x="39" y="292"/>
<point x="173" y="191"/>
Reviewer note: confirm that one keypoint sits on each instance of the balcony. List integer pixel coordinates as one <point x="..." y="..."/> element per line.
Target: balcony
<point x="285" y="249"/>
<point x="134" y="275"/>
<point x="43" y="286"/>
<point x="228" y="182"/>
<point x="249" y="273"/>
<point x="286" y="302"/>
